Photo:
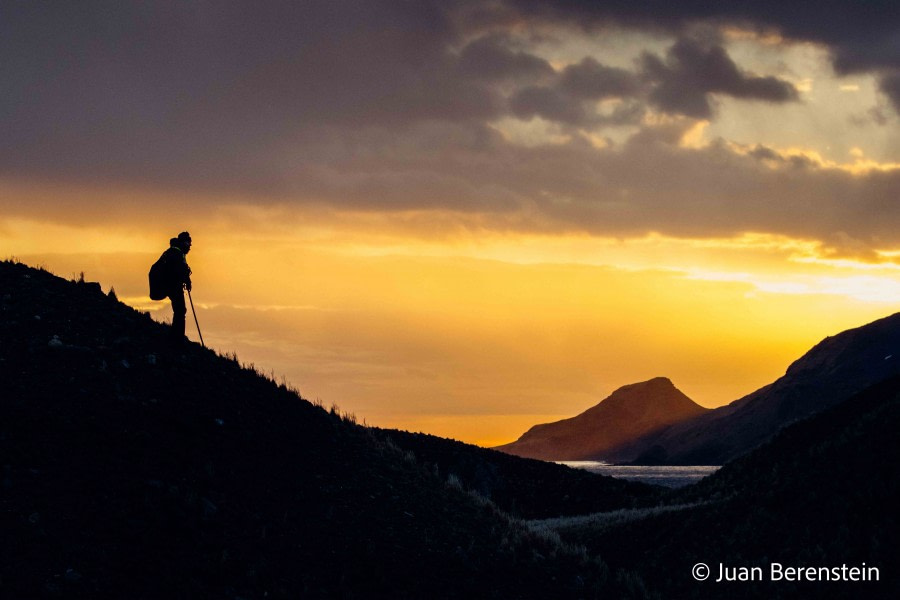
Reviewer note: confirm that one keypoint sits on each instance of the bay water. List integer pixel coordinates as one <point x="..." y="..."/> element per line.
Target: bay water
<point x="669" y="476"/>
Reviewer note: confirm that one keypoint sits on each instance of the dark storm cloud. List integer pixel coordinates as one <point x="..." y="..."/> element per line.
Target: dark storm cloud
<point x="694" y="69"/>
<point x="651" y="184"/>
<point x="569" y="97"/>
<point x="558" y="106"/>
<point x="215" y="92"/>
<point x="490" y="57"/>
<point x="891" y="87"/>
<point x="204" y="94"/>
<point x="550" y="104"/>
<point x="220" y="95"/>
<point x="386" y="104"/>
<point x="862" y="36"/>
<point x="591" y="80"/>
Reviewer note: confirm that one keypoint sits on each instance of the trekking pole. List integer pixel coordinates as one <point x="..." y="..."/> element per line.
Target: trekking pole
<point x="195" y="319"/>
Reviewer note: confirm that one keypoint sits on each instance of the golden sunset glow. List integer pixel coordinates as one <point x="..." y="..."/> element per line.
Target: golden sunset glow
<point x="535" y="214"/>
<point x="479" y="337"/>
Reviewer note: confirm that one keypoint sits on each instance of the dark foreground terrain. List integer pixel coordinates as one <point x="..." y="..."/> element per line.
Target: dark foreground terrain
<point x="131" y="471"/>
<point x="128" y="470"/>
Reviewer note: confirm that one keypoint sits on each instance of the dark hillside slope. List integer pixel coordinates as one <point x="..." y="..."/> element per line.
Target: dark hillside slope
<point x="130" y="472"/>
<point x="823" y="493"/>
<point x="526" y="488"/>
<point x="835" y="369"/>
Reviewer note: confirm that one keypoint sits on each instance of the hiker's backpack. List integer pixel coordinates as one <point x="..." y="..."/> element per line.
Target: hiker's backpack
<point x="160" y="278"/>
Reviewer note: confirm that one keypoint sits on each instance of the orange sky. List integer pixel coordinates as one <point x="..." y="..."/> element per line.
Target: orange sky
<point x="459" y="339"/>
<point x="468" y="218"/>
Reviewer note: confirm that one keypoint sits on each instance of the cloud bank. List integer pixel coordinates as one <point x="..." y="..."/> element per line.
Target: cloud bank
<point x="387" y="105"/>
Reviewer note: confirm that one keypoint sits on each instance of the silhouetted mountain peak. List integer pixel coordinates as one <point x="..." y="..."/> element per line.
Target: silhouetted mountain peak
<point x="630" y="411"/>
<point x="656" y="382"/>
<point x="652" y="394"/>
<point x="643" y="391"/>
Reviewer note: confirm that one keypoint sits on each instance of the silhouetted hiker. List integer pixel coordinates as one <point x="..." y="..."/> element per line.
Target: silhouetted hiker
<point x="170" y="276"/>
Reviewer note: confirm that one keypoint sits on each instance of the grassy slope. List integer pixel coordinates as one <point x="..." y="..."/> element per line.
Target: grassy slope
<point x="526" y="488"/>
<point x="129" y="471"/>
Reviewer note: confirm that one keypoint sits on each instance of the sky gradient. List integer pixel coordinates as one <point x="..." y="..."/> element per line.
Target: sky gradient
<point x="466" y="217"/>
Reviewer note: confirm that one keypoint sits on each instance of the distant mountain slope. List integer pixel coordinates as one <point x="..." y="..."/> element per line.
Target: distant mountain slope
<point x="822" y="493"/>
<point x="628" y="413"/>
<point x="832" y="371"/>
<point x="128" y="471"/>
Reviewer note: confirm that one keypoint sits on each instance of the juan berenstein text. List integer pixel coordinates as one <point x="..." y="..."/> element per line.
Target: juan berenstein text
<point x="779" y="572"/>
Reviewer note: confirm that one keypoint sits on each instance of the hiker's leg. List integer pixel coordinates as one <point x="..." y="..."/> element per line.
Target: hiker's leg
<point x="179" y="311"/>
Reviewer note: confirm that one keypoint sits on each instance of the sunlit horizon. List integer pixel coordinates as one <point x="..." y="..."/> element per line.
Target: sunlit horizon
<point x="468" y="218"/>
<point x="468" y="340"/>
